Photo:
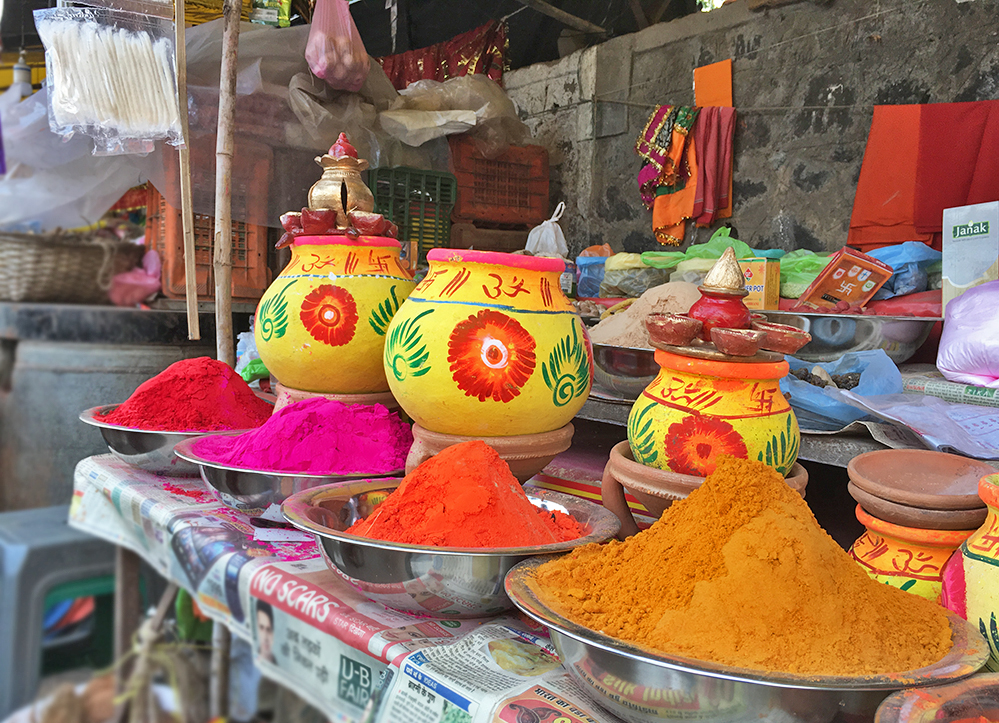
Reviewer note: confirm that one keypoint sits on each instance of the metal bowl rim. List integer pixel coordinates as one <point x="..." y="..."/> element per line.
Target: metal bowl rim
<point x="518" y="588"/>
<point x="185" y="450"/>
<point x="605" y="523"/>
<point x="596" y="345"/>
<point x="884" y="317"/>
<point x="88" y="416"/>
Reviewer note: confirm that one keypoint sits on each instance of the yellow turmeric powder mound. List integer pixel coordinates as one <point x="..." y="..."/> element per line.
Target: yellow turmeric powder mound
<point x="741" y="574"/>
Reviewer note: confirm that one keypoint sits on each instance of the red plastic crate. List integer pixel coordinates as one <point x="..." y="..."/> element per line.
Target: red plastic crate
<point x="165" y="234"/>
<point x="511" y="189"/>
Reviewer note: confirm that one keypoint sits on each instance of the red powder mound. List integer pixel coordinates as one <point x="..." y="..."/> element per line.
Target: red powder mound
<point x="192" y="395"/>
<point x="466" y="496"/>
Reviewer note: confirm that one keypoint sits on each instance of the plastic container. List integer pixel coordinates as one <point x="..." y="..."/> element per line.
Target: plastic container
<point x="591" y="273"/>
<point x="510" y="189"/>
<point x="165" y="234"/>
<point x="419" y="203"/>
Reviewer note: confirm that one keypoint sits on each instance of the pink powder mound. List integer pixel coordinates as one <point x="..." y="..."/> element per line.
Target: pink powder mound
<point x="317" y="436"/>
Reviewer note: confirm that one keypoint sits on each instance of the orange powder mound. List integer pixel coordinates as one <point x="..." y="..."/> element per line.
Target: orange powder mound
<point x="740" y="573"/>
<point x="465" y="496"/>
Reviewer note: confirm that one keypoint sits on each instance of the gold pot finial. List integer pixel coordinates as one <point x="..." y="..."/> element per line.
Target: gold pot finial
<point x="726" y="275"/>
<point x="340" y="188"/>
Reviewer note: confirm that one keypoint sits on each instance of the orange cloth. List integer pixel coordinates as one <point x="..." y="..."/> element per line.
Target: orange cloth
<point x="713" y="86"/>
<point x="883" y="208"/>
<point x="671" y="210"/>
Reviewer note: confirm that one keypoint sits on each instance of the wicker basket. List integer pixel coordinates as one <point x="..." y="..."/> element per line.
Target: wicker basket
<point x="62" y="268"/>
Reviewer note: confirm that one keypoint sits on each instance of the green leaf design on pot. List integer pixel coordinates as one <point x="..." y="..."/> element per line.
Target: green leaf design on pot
<point x="405" y="353"/>
<point x="382" y="314"/>
<point x="641" y="436"/>
<point x="567" y="371"/>
<point x="273" y="315"/>
<point x="782" y="450"/>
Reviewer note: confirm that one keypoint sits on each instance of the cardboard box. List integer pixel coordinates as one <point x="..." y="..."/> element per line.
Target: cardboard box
<point x="970" y="248"/>
<point x="851" y="276"/>
<point x="762" y="282"/>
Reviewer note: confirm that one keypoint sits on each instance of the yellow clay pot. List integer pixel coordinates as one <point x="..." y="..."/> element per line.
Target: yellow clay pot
<point x="696" y="409"/>
<point x="320" y="326"/>
<point x="488" y="345"/>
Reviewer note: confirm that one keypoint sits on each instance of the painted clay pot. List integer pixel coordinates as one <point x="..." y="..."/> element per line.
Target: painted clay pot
<point x="971" y="577"/>
<point x="488" y="345"/>
<point x="321" y="325"/>
<point x="909" y="558"/>
<point x="696" y="409"/>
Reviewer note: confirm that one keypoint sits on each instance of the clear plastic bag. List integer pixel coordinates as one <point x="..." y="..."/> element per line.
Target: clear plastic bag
<point x="335" y="51"/>
<point x="547" y="239"/>
<point x="827" y="409"/>
<point x="111" y="75"/>
<point x="969" y="345"/>
<point x="911" y="262"/>
<point x="591" y="274"/>
<point x="625" y="275"/>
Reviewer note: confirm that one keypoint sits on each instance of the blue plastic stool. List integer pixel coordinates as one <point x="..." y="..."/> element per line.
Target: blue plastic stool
<point x="38" y="551"/>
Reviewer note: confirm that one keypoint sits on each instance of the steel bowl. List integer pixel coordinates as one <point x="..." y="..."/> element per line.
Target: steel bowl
<point x="623" y="372"/>
<point x="438" y="582"/>
<point x="642" y="685"/>
<point x="834" y="335"/>
<point x="967" y="699"/>
<point x="252" y="491"/>
<point x="145" y="449"/>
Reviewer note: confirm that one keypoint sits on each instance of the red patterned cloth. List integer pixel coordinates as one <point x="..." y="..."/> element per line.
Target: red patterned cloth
<point x="482" y="50"/>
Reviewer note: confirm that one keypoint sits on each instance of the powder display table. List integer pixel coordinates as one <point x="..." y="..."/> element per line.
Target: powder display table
<point x="309" y="630"/>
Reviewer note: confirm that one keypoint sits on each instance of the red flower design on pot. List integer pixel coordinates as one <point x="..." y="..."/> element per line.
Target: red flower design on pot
<point x="693" y="445"/>
<point x="329" y="314"/>
<point x="491" y="356"/>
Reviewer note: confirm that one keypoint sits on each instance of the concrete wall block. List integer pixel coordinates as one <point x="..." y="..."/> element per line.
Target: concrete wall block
<point x="807" y="76"/>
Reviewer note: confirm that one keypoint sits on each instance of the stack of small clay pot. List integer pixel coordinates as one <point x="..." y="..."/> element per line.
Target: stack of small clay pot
<point x="918" y="507"/>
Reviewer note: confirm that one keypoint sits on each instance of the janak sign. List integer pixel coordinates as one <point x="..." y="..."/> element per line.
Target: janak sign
<point x="979" y="228"/>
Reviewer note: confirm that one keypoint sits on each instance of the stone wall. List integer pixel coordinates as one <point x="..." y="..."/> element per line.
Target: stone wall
<point x="806" y="78"/>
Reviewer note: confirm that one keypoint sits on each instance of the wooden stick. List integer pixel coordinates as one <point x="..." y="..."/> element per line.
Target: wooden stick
<point x="563" y="17"/>
<point x="639" y="13"/>
<point x="223" y="184"/>
<point x="186" y="206"/>
<point x="218" y="695"/>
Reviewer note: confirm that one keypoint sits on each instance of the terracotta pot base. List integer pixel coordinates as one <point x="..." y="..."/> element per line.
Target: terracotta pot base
<point x="656" y="489"/>
<point x="527" y="454"/>
<point x="287" y="395"/>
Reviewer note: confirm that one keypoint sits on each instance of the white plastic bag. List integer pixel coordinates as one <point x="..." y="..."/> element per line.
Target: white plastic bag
<point x="547" y="239"/>
<point x="335" y="51"/>
<point x="969" y="344"/>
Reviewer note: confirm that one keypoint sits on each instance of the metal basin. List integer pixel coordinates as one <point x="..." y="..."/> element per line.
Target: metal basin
<point x="253" y="491"/>
<point x="439" y="582"/>
<point x="642" y="685"/>
<point x="623" y="371"/>
<point x="148" y="450"/>
<point x="834" y="335"/>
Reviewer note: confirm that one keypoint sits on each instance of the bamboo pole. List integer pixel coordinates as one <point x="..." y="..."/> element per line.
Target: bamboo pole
<point x="186" y="209"/>
<point x="546" y="8"/>
<point x="223" y="184"/>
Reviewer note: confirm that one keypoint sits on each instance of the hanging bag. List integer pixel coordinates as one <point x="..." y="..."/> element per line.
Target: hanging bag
<point x="335" y="51"/>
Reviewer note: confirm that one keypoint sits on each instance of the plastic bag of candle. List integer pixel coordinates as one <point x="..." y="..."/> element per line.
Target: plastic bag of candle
<point x="335" y="51"/>
<point x="111" y="75"/>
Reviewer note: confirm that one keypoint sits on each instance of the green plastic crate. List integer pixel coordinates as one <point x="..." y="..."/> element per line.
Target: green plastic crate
<point x="419" y="203"/>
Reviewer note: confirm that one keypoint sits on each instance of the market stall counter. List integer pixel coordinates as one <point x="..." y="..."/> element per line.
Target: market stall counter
<point x="351" y="658"/>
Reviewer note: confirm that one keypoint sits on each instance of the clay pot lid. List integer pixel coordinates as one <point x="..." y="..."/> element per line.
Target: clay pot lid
<point x="918" y="517"/>
<point x="920" y="478"/>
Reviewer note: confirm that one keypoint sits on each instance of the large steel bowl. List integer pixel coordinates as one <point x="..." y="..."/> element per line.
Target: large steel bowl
<point x="252" y="491"/>
<point x="439" y="582"/>
<point x="623" y="372"/>
<point x="145" y="449"/>
<point x="642" y="685"/>
<point x="834" y="335"/>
